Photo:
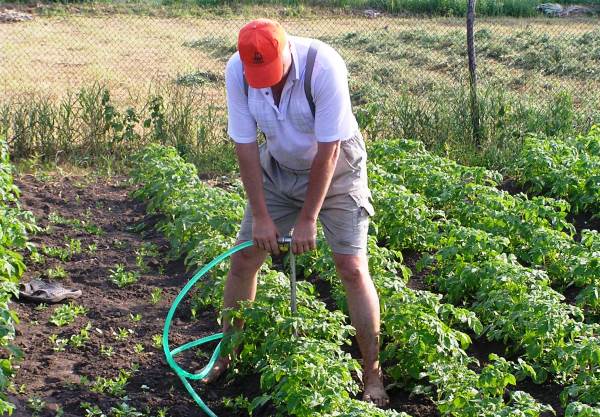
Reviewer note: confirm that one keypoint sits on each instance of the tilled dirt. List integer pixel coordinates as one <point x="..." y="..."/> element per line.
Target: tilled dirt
<point x="63" y="380"/>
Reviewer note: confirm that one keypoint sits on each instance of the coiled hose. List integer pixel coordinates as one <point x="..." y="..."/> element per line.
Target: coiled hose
<point x="184" y="375"/>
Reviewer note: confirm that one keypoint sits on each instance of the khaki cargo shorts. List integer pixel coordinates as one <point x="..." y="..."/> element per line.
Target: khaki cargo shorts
<point x="345" y="211"/>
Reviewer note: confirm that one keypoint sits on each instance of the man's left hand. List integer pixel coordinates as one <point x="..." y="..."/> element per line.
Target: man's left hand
<point x="304" y="237"/>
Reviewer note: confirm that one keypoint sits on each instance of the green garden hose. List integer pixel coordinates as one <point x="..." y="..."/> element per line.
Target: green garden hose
<point x="184" y="375"/>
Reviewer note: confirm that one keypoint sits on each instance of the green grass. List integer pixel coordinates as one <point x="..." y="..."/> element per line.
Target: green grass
<point x="514" y="8"/>
<point x="88" y="129"/>
<point x="408" y="78"/>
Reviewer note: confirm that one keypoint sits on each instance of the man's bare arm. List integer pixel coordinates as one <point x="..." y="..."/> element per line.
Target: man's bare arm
<point x="321" y="173"/>
<point x="264" y="231"/>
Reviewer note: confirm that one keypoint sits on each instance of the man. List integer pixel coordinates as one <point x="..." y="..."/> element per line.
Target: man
<point x="313" y="165"/>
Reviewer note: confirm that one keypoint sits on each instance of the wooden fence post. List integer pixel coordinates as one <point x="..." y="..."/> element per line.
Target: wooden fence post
<point x="473" y="72"/>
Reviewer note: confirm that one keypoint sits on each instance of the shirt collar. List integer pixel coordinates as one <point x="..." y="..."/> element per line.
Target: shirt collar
<point x="295" y="70"/>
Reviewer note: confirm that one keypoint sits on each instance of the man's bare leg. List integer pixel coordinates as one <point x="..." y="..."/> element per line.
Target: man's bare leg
<point x="363" y="304"/>
<point x="240" y="285"/>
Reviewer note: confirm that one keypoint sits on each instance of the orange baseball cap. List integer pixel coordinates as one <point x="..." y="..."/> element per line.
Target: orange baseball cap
<point x="261" y="44"/>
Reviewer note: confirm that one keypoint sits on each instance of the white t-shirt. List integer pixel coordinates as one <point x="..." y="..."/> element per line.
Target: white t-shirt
<point x="292" y="132"/>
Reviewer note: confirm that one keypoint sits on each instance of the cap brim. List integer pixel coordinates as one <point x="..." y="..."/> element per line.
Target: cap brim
<point x="264" y="75"/>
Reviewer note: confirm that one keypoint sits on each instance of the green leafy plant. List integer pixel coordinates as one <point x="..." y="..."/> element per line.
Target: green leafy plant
<point x="56" y="252"/>
<point x="36" y="257"/>
<point x="58" y="344"/>
<point x="157" y="341"/>
<point x="79" y="340"/>
<point x="112" y="386"/>
<point x="57" y="272"/>
<point x="66" y="314"/>
<point x="122" y="334"/>
<point x="137" y="317"/>
<point x="122" y="278"/>
<point x="36" y="405"/>
<point x="155" y="295"/>
<point x="91" y="410"/>
<point x="125" y="410"/>
<point x="106" y="351"/>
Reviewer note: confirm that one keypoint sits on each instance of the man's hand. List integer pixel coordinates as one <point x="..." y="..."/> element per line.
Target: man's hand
<point x="304" y="237"/>
<point x="264" y="233"/>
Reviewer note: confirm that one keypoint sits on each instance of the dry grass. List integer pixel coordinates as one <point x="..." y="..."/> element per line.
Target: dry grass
<point x="129" y="54"/>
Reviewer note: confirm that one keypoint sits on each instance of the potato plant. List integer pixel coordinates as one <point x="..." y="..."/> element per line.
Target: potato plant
<point x="15" y="226"/>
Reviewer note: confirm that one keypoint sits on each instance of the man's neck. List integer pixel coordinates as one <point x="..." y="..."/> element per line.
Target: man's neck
<point x="277" y="89"/>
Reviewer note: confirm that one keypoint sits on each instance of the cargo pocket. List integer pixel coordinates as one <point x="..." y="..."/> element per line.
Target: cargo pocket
<point x="353" y="153"/>
<point x="364" y="206"/>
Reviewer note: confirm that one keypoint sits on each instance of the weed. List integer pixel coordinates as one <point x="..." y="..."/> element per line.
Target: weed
<point x="57" y="273"/>
<point x="138" y="348"/>
<point x="92" y="248"/>
<point x="120" y="244"/>
<point x="112" y="386"/>
<point x="162" y="412"/>
<point x="125" y="410"/>
<point x="146" y="250"/>
<point x="74" y="246"/>
<point x="122" y="278"/>
<point x="156" y="295"/>
<point x="36" y="257"/>
<point x="36" y="405"/>
<point x="122" y="334"/>
<point x="58" y="344"/>
<point x="66" y="314"/>
<point x="91" y="410"/>
<point x="135" y="317"/>
<point x="107" y="351"/>
<point x="78" y="340"/>
<point x="56" y="252"/>
<point x="157" y="341"/>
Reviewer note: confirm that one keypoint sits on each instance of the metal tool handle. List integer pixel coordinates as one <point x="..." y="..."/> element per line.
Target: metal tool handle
<point x="288" y="241"/>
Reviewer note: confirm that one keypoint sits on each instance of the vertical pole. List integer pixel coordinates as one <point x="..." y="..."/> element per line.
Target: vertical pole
<point x="473" y="72"/>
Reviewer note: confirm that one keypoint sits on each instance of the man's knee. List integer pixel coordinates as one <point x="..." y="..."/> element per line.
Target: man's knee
<point x="246" y="262"/>
<point x="353" y="270"/>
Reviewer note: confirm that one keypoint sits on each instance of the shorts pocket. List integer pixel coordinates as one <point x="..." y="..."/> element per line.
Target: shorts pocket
<point x="363" y="201"/>
<point x="353" y="153"/>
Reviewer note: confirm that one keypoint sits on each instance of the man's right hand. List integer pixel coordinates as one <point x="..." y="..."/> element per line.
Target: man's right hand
<point x="264" y="233"/>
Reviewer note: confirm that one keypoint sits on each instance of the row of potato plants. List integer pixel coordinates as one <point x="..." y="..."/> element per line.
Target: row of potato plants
<point x="15" y="226"/>
<point x="420" y="342"/>
<point x="516" y="304"/>
<point x="567" y="168"/>
<point x="309" y="375"/>
<point x="422" y="348"/>
<point x="537" y="230"/>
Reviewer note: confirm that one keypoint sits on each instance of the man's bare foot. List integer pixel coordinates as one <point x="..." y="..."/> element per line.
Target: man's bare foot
<point x="375" y="391"/>
<point x="215" y="373"/>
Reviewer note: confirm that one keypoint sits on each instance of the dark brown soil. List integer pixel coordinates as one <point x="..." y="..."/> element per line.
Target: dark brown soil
<point x="63" y="379"/>
<point x="583" y="221"/>
<point x="56" y="376"/>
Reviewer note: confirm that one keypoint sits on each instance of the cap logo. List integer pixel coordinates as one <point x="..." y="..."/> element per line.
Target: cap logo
<point x="258" y="58"/>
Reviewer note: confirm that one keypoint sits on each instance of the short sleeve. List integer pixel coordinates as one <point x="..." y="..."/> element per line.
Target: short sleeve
<point x="333" y="109"/>
<point x="241" y="125"/>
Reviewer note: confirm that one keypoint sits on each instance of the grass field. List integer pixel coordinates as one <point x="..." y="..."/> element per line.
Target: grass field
<point x="514" y="8"/>
<point x="407" y="75"/>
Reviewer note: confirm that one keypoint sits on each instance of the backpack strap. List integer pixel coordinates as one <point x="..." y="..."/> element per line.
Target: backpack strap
<point x="310" y="65"/>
